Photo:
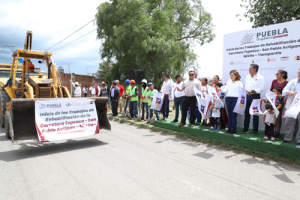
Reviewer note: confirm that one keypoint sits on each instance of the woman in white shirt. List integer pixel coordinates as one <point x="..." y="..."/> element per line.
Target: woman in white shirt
<point x="233" y="88"/>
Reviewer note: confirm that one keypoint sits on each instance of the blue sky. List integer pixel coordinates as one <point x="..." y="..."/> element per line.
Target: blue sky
<point x="51" y="21"/>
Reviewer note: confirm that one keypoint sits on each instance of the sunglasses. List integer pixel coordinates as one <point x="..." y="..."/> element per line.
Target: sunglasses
<point x="276" y="74"/>
<point x="191" y="74"/>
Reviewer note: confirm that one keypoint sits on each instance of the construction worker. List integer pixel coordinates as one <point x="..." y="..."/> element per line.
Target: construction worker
<point x="150" y="95"/>
<point x="77" y="91"/>
<point x="144" y="99"/>
<point x="127" y="82"/>
<point x="133" y="94"/>
<point x="31" y="70"/>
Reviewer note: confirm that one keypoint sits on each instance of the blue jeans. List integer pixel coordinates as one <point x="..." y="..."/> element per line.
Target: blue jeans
<point x="145" y="106"/>
<point x="85" y="94"/>
<point x="198" y="115"/>
<point x="126" y="104"/>
<point x="177" y="103"/>
<point x="165" y="107"/>
<point x="133" y="109"/>
<point x="155" y="112"/>
<point x="232" y="116"/>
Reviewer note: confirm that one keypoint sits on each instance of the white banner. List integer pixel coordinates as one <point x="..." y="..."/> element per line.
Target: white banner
<point x="221" y="102"/>
<point x="205" y="106"/>
<point x="213" y="92"/>
<point x="199" y="96"/>
<point x="275" y="47"/>
<point x="255" y="108"/>
<point x="294" y="109"/>
<point x="272" y="98"/>
<point x="158" y="99"/>
<point x="240" y="105"/>
<point x="63" y="119"/>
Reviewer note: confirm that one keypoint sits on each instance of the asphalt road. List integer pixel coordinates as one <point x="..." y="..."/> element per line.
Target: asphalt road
<point x="133" y="163"/>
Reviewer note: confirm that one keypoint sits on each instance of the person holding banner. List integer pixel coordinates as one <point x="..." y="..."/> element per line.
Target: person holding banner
<point x="254" y="85"/>
<point x="190" y="98"/>
<point x="178" y="98"/>
<point x="278" y="102"/>
<point x="166" y="89"/>
<point x="150" y="95"/>
<point x="291" y="90"/>
<point x="233" y="89"/>
<point x="216" y="80"/>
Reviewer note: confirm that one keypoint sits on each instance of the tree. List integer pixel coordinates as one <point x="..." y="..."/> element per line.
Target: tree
<point x="267" y="12"/>
<point x="104" y="68"/>
<point x="152" y="35"/>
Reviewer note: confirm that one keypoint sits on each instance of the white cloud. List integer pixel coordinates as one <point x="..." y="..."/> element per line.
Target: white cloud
<point x="224" y="17"/>
<point x="52" y="21"/>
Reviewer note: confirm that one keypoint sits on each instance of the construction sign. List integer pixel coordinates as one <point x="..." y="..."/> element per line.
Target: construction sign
<point x="63" y="119"/>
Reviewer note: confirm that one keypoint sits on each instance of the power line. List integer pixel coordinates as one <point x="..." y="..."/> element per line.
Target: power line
<point x="30" y="21"/>
<point x="47" y="14"/>
<point x="22" y="21"/>
<point x="75" y="40"/>
<point x="71" y="34"/>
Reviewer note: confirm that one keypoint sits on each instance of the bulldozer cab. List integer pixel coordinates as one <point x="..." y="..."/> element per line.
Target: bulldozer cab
<point x="18" y="95"/>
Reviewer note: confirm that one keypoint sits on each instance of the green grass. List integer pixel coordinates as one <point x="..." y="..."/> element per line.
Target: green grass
<point x="230" y="147"/>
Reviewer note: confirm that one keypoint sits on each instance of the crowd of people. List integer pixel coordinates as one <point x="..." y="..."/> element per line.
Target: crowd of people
<point x="218" y="117"/>
<point x="253" y="84"/>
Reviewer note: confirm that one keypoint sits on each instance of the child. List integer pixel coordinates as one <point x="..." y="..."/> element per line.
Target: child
<point x="279" y="105"/>
<point x="150" y="94"/>
<point x="215" y="116"/>
<point x="269" y="121"/>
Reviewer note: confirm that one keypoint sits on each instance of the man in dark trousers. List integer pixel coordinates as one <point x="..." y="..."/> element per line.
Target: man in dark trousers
<point x="114" y="97"/>
<point x="190" y="99"/>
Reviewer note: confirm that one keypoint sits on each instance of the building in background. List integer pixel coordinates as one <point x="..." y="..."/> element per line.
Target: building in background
<point x="83" y="80"/>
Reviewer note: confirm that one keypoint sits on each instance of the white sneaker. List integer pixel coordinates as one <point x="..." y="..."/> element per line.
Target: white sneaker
<point x="211" y="127"/>
<point x="226" y="129"/>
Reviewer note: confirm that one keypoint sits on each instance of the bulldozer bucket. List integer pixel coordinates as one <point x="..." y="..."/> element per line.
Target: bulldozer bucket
<point x="22" y="123"/>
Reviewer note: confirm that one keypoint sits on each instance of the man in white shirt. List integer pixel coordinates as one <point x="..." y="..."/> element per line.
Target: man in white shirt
<point x="254" y="85"/>
<point x="190" y="99"/>
<point x="178" y="97"/>
<point x="166" y="89"/>
<point x="77" y="91"/>
<point x="95" y="89"/>
<point x="85" y="91"/>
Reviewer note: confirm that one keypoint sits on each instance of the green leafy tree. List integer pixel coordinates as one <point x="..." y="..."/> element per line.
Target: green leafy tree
<point x="267" y="12"/>
<point x="104" y="68"/>
<point x="152" y="35"/>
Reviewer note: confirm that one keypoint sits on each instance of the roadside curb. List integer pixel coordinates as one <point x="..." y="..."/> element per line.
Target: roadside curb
<point x="229" y="147"/>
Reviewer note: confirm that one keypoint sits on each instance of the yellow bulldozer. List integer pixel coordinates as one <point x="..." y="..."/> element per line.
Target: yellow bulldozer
<point x="18" y="95"/>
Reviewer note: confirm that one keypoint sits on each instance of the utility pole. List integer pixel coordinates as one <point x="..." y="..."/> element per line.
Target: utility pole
<point x="6" y="45"/>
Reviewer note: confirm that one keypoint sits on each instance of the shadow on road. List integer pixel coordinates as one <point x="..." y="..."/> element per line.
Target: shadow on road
<point x="31" y="151"/>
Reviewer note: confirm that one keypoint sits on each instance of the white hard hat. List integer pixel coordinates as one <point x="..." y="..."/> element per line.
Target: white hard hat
<point x="144" y="81"/>
<point x="76" y="83"/>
